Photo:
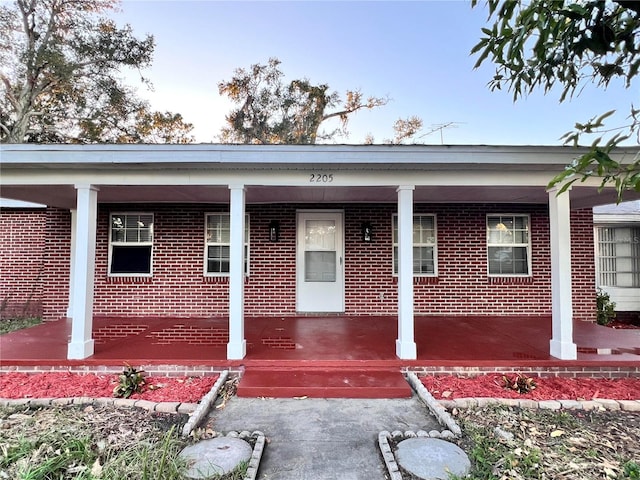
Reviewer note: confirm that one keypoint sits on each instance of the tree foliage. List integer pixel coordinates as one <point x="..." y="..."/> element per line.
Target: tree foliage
<point x="60" y="62"/>
<point x="270" y="111"/>
<point x="548" y="44"/>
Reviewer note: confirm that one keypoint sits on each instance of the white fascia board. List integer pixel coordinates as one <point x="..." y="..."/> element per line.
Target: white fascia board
<point x="627" y="218"/>
<point x="23" y="154"/>
<point x="291" y="177"/>
<point x="8" y="203"/>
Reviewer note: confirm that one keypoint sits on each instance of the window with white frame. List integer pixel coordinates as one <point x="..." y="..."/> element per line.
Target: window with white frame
<point x="618" y="256"/>
<point x="218" y="244"/>
<point x="424" y="245"/>
<point x="508" y="245"/>
<point x="130" y="243"/>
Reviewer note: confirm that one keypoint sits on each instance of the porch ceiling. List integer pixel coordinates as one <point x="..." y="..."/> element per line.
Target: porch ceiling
<point x="64" y="196"/>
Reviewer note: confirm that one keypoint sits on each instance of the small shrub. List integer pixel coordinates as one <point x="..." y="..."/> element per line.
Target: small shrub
<point x="606" y="308"/>
<point x="130" y="381"/>
<point x="631" y="470"/>
<point x="18" y="323"/>
<point x="520" y="383"/>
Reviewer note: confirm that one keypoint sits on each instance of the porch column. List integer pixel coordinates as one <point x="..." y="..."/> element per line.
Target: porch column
<point x="237" y="346"/>
<point x="405" y="343"/>
<point x="84" y="255"/>
<point x="72" y="259"/>
<point x="561" y="345"/>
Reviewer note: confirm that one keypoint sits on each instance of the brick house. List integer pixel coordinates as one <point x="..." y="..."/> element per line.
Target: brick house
<point x="244" y="231"/>
<point x="617" y="242"/>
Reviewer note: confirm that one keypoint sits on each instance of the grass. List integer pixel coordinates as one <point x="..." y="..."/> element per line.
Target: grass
<point x="147" y="460"/>
<point x="91" y="443"/>
<point x="549" y="444"/>
<point x="18" y="323"/>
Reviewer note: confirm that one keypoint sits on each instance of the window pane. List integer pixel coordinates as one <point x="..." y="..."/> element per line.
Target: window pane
<point x="320" y="235"/>
<point x="423" y="260"/>
<point x="520" y="264"/>
<point x="424" y="237"/>
<point x="619" y="257"/>
<point x="131" y="259"/>
<point x="500" y="260"/>
<point x="508" y="260"/>
<point x="218" y="259"/>
<point x="320" y="266"/>
<point x="218" y="228"/>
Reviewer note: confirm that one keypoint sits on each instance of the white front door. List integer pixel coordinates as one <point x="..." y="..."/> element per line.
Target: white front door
<point x="320" y="261"/>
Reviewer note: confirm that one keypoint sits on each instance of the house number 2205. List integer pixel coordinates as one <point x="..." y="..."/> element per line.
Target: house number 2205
<point x="321" y="178"/>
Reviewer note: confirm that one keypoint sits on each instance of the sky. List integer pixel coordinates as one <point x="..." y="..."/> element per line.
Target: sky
<point x="415" y="53"/>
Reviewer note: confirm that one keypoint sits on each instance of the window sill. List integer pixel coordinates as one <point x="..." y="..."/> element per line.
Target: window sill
<point x="421" y="280"/>
<point x="510" y="280"/>
<point x="129" y="279"/>
<point x="425" y="280"/>
<point x="222" y="279"/>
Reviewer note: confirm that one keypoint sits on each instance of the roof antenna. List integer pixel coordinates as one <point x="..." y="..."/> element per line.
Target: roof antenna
<point x="439" y="127"/>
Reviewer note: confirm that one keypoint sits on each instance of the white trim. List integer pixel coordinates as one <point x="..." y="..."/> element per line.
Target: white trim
<point x="19" y="204"/>
<point x="394" y="216"/>
<point x="561" y="345"/>
<point x="247" y="245"/>
<point x="110" y="154"/>
<point x="406" y="348"/>
<point x="81" y="344"/>
<point x="528" y="246"/>
<point x="339" y="305"/>
<point x="72" y="260"/>
<point x="112" y="243"/>
<point x="237" y="345"/>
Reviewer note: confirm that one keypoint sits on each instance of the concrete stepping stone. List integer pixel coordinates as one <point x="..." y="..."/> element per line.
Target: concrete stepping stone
<point x="215" y="456"/>
<point x="432" y="458"/>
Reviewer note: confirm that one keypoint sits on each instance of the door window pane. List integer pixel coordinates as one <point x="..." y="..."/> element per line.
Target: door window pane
<point x="319" y="266"/>
<point x="320" y="235"/>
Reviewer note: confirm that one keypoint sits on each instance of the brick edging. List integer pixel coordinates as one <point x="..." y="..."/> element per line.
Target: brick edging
<point x="601" y="370"/>
<point x="161" y="407"/>
<point x="596" y="404"/>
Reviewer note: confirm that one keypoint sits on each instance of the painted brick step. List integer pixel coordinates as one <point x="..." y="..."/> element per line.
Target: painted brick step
<point x="323" y="383"/>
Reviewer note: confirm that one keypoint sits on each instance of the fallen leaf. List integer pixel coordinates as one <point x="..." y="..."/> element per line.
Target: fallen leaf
<point x="556" y="433"/>
<point x="96" y="469"/>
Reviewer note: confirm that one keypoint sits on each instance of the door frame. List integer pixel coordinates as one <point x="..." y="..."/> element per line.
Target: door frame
<point x="338" y="214"/>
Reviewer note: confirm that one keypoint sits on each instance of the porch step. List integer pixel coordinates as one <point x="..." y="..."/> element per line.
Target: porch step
<point x="323" y="383"/>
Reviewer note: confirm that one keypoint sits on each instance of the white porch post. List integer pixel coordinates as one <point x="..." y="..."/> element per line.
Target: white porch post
<point x="561" y="345"/>
<point x="84" y="256"/>
<point x="72" y="259"/>
<point x="405" y="343"/>
<point x="237" y="346"/>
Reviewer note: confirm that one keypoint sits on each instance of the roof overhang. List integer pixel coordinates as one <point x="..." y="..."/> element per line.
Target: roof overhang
<point x="291" y="173"/>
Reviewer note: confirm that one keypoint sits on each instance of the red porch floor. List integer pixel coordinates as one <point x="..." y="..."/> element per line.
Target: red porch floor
<point x="335" y="340"/>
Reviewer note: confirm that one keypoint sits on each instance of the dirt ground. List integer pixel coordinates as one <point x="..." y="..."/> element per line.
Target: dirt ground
<point x="557" y="445"/>
<point x="535" y="444"/>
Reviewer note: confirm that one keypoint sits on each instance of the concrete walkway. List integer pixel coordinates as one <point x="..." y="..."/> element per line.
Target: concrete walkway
<point x="322" y="439"/>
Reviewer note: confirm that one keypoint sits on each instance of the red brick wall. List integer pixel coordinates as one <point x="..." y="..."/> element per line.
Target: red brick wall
<point x="178" y="287"/>
<point x="22" y="250"/>
<point x="57" y="264"/>
<point x="462" y="286"/>
<point x="583" y="269"/>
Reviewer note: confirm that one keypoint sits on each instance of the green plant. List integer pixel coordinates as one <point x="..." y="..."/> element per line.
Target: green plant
<point x="18" y="323"/>
<point x="631" y="470"/>
<point x="606" y="312"/>
<point x="130" y="381"/>
<point x="520" y="383"/>
<point x="152" y="459"/>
